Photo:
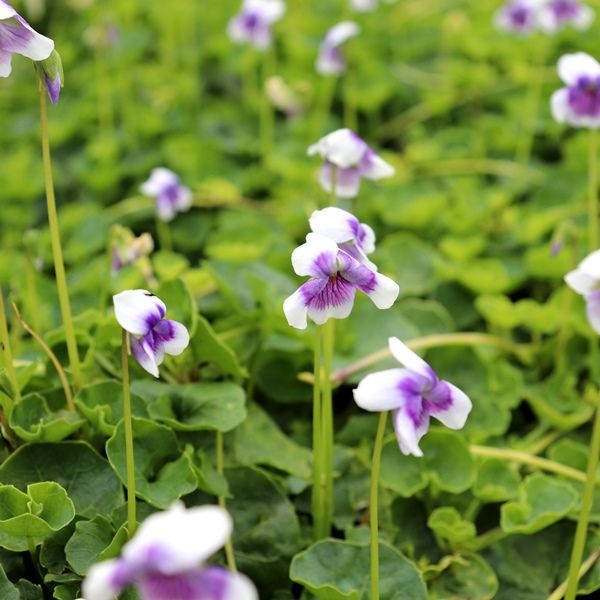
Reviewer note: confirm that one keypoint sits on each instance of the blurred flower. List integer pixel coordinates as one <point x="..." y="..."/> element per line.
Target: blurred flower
<point x="578" y="104"/>
<point x="414" y="394"/>
<point x="126" y="249"/>
<point x="556" y="14"/>
<point x="51" y="75"/>
<point x="330" y="60"/>
<point x="17" y="37"/>
<point x="164" y="560"/>
<point x="171" y="196"/>
<point x="141" y="314"/>
<point x="334" y="278"/>
<point x="364" y="5"/>
<point x="518" y="16"/>
<point x="283" y="97"/>
<point x="353" y="237"/>
<point x="348" y="159"/>
<point x="585" y="280"/>
<point x="253" y="23"/>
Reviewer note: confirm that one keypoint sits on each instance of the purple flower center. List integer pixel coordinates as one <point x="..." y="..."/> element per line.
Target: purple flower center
<point x="584" y="96"/>
<point x="251" y="21"/>
<point x="564" y="10"/>
<point x="171" y="193"/>
<point x="520" y="16"/>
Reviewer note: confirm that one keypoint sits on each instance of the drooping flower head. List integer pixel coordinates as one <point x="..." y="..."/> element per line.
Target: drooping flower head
<point x="556" y="14"/>
<point x="578" y="104"/>
<point x="334" y="278"/>
<point x="585" y="280"/>
<point x="171" y="196"/>
<point x="331" y="61"/>
<point x="414" y="394"/>
<point x="518" y="16"/>
<point x="164" y="560"/>
<point x="51" y="75"/>
<point x="347" y="160"/>
<point x="127" y="249"/>
<point x="253" y="24"/>
<point x="141" y="314"/>
<point x="17" y="37"/>
<point x="353" y="237"/>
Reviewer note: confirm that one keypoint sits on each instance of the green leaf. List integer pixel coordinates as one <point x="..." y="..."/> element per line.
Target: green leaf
<point x="8" y="591"/>
<point x="76" y="466"/>
<point x="180" y="303"/>
<point x="162" y="473"/>
<point x="260" y="441"/>
<point x="542" y="501"/>
<point x="33" y="421"/>
<point x="496" y="481"/>
<point x="402" y="474"/>
<point x="337" y="570"/>
<point x="446" y="522"/>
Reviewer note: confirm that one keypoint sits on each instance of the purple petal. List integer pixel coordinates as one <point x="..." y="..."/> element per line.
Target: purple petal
<point x="592" y="309"/>
<point x="346" y="181"/>
<point x="448" y="404"/>
<point x="332" y="297"/>
<point x="16" y="36"/>
<point x="410" y="426"/>
<point x="171" y="337"/>
<point x="145" y="355"/>
<point x="138" y="311"/>
<point x="53" y="88"/>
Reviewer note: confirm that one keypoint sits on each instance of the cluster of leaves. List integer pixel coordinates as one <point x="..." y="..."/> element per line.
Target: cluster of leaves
<point x="463" y="228"/>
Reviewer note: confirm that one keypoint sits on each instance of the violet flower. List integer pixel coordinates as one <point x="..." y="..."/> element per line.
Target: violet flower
<point x="17" y="37"/>
<point x="141" y="314"/>
<point x="578" y="104"/>
<point x="349" y="158"/>
<point x="253" y="24"/>
<point x="129" y="249"/>
<point x="353" y="237"/>
<point x="363" y="5"/>
<point x="171" y="196"/>
<point x="331" y="60"/>
<point x="164" y="560"/>
<point x="50" y="72"/>
<point x="585" y="280"/>
<point x="334" y="278"/>
<point x="414" y="394"/>
<point x="556" y="14"/>
<point x="518" y="16"/>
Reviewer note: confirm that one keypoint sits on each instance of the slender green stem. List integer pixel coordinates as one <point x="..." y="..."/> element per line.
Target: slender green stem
<point x="220" y="470"/>
<point x="584" y="514"/>
<point x="131" y="508"/>
<point x="267" y="116"/>
<point x="317" y="495"/>
<point x="559" y="592"/>
<point x="8" y="357"/>
<point x="487" y="539"/>
<point x="323" y="106"/>
<point x="350" y="117"/>
<point x="327" y="422"/>
<point x="59" y="267"/>
<point x="163" y="232"/>
<point x="374" y="505"/>
<point x="593" y="191"/>
<point x="528" y="459"/>
<point x="32" y="295"/>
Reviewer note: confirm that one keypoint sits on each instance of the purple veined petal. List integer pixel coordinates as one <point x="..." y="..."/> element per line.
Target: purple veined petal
<point x="18" y="37"/>
<point x="342" y="147"/>
<point x="5" y="63"/>
<point x="448" y="404"/>
<point x="382" y="290"/>
<point x="559" y="105"/>
<point x="346" y="181"/>
<point x="334" y="300"/>
<point x="172" y="337"/>
<point x="181" y="538"/>
<point x="138" y="311"/>
<point x="53" y="88"/>
<point x="581" y="282"/>
<point x="144" y="355"/>
<point x="404" y="355"/>
<point x="366" y="238"/>
<point x="410" y="428"/>
<point x="573" y="66"/>
<point x="357" y="254"/>
<point x="592" y="310"/>
<point x="296" y="310"/>
<point x="100" y="584"/>
<point x="373" y="166"/>
<point x="380" y="391"/>
<point x="179" y="586"/>
<point x="316" y="258"/>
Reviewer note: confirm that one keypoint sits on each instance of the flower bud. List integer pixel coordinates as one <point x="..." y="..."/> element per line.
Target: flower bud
<point x="51" y="75"/>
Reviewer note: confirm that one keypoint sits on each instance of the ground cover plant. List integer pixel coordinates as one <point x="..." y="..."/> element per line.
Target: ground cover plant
<point x="299" y="300"/>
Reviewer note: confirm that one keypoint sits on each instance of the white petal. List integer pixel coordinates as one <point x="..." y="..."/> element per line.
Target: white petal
<point x="408" y="434"/>
<point x="6" y="11"/>
<point x="342" y="147"/>
<point x="592" y="310"/>
<point x="316" y="257"/>
<point x="98" y="584"/>
<point x="145" y="356"/>
<point x="368" y="242"/>
<point x="179" y="337"/>
<point x="339" y="311"/>
<point x="456" y="414"/>
<point x="341" y="32"/>
<point x="572" y="66"/>
<point x="5" y="64"/>
<point x="334" y="223"/>
<point x="38" y="48"/>
<point x="269" y="10"/>
<point x="184" y="538"/>
<point x="329" y="63"/>
<point x="590" y="265"/>
<point x="559" y="104"/>
<point x="295" y="310"/>
<point x="159" y="179"/>
<point x="584" y="18"/>
<point x="137" y="311"/>
<point x="377" y="168"/>
<point x="581" y="282"/>
<point x="165" y="209"/>
<point x="240" y="588"/>
<point x="184" y="200"/>
<point x="346" y="181"/>
<point x="379" y="391"/>
<point x="404" y="355"/>
<point x="385" y="293"/>
<point x="236" y="30"/>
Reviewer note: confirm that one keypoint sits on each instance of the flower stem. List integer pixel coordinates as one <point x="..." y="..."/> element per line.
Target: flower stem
<point x="220" y="470"/>
<point x="8" y="357"/>
<point x="584" y="513"/>
<point x="317" y="497"/>
<point x="350" y="117"/>
<point x="163" y="233"/>
<point x="374" y="505"/>
<point x="131" y="508"/>
<point x="327" y="423"/>
<point x="59" y="267"/>
<point x="593" y="191"/>
<point x="559" y="592"/>
<point x="267" y="117"/>
<point x="326" y="94"/>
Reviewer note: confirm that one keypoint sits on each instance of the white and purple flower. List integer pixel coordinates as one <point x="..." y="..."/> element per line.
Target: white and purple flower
<point x="363" y="5"/>
<point x="171" y="196"/>
<point x="585" y="280"/>
<point x="17" y="37"/>
<point x="353" y="237"/>
<point x="578" y="104"/>
<point x="334" y="278"/>
<point x="414" y="394"/>
<point x="331" y="60"/>
<point x="141" y="314"/>
<point x="556" y="14"/>
<point x="129" y="249"/>
<point x="253" y="24"/>
<point x="520" y="17"/>
<point x="347" y="160"/>
<point x="164" y="560"/>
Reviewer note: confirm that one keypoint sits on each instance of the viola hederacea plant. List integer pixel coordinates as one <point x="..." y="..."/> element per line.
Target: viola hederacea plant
<point x="254" y="22"/>
<point x="554" y="15"/>
<point x="331" y="60"/>
<point x="171" y="195"/>
<point x="519" y="17"/>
